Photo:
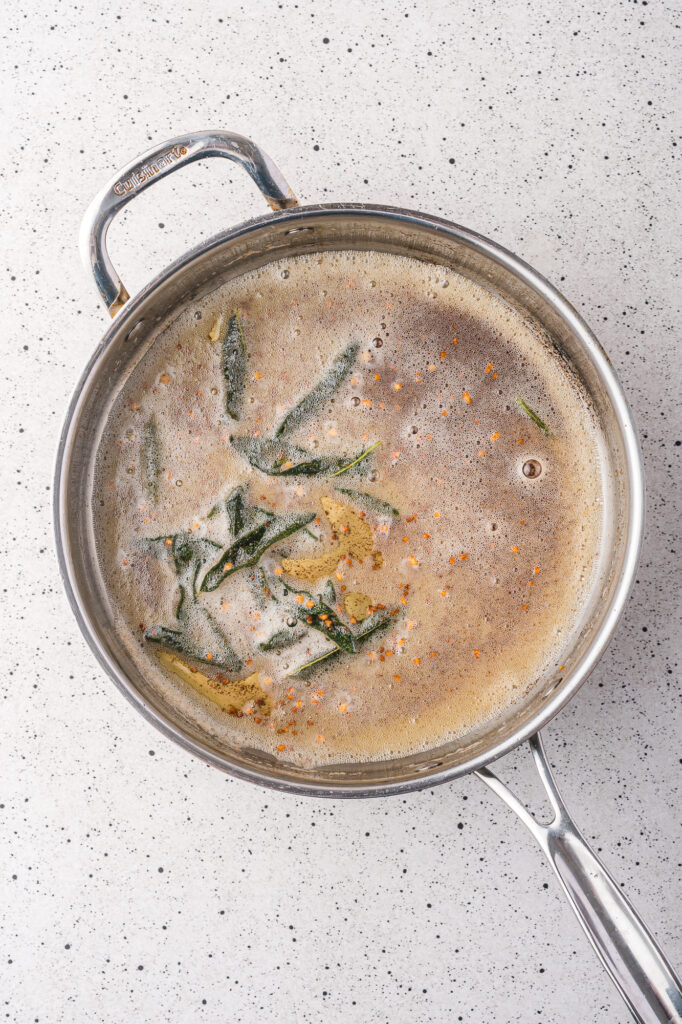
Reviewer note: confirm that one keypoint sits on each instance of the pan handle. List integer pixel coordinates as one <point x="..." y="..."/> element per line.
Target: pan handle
<point x="153" y="165"/>
<point x="624" y="945"/>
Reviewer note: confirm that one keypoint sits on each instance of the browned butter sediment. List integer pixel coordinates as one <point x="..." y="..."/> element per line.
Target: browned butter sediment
<point x="484" y="569"/>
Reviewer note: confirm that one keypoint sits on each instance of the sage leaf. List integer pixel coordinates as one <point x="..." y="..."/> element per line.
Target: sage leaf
<point x="318" y="615"/>
<point x="281" y="458"/>
<point x="149" y="459"/>
<point x="248" y="548"/>
<point x="369" y="501"/>
<point x="233" y="365"/>
<point x="281" y="640"/>
<point x="218" y="651"/>
<point x="376" y="622"/>
<point x="535" y="418"/>
<point x="321" y="393"/>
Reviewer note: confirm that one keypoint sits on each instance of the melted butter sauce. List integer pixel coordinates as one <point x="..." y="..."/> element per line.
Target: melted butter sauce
<point x="487" y="563"/>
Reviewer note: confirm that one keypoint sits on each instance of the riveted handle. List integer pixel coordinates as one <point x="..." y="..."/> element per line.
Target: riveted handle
<point x="625" y="946"/>
<point x="153" y="165"/>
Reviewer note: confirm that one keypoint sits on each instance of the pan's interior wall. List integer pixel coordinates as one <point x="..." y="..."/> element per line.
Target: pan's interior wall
<point x="204" y="270"/>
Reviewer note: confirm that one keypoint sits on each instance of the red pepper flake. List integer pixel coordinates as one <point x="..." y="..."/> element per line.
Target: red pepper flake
<point x="467" y="397"/>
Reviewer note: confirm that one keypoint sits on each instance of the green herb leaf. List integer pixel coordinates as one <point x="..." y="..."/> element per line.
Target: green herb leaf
<point x="248" y="548"/>
<point x="189" y="557"/>
<point x="233" y="365"/>
<point x="370" y="502"/>
<point x="240" y="514"/>
<point x="234" y="506"/>
<point x="323" y="618"/>
<point x="281" y="640"/>
<point x="373" y="623"/>
<point x="219" y="653"/>
<point x="328" y="593"/>
<point x="321" y="393"/>
<point x="281" y="458"/>
<point x="149" y="459"/>
<point x="535" y="418"/>
<point x="377" y="621"/>
<point x="262" y="590"/>
<point x="189" y="554"/>
<point x="304" y="670"/>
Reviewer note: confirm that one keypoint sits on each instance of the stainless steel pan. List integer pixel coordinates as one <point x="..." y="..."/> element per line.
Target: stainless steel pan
<point x="628" y="951"/>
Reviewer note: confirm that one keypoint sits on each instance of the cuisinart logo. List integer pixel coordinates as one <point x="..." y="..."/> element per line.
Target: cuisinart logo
<point x="147" y="171"/>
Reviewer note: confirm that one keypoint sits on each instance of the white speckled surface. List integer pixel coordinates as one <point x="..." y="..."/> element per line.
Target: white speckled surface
<point x="137" y="883"/>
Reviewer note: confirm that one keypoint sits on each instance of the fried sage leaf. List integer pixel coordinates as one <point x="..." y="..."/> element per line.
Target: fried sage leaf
<point x="233" y="365"/>
<point x="261" y="587"/>
<point x="306" y="670"/>
<point x="149" y="459"/>
<point x="318" y="615"/>
<point x="216" y="651"/>
<point x="282" y="639"/>
<point x="535" y="418"/>
<point x="240" y="515"/>
<point x="234" y="506"/>
<point x="369" y="501"/>
<point x="376" y="622"/>
<point x="281" y="458"/>
<point x="319" y="395"/>
<point x="189" y="554"/>
<point x="248" y="548"/>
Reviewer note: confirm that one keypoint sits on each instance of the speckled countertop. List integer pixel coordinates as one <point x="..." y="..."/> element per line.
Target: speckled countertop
<point x="138" y="884"/>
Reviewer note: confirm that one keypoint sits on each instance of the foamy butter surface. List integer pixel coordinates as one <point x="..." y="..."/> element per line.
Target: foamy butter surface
<point x="481" y="573"/>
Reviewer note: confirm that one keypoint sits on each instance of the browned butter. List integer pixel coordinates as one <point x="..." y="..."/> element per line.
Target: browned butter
<point x="483" y="569"/>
